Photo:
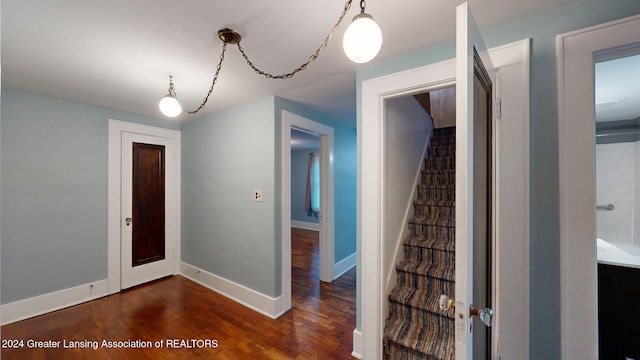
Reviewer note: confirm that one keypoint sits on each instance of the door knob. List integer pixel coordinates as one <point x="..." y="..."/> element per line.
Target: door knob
<point x="485" y="315"/>
<point x="446" y="303"/>
<point x="128" y="221"/>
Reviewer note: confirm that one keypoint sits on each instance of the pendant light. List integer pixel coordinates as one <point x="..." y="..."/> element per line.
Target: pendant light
<point x="169" y="104"/>
<point x="363" y="39"/>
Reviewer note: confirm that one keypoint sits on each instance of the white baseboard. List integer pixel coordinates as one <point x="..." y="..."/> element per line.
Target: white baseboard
<point x="266" y="305"/>
<point x="42" y="304"/>
<point x="357" y="344"/>
<point x="305" y="225"/>
<point x="344" y="265"/>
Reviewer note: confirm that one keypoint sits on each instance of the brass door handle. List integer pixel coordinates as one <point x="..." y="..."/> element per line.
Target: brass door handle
<point x="485" y="315"/>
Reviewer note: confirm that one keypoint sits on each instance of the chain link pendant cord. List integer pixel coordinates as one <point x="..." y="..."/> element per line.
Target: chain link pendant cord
<point x="363" y="35"/>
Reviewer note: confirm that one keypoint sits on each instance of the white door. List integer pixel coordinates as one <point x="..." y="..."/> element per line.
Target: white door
<point x="147" y="208"/>
<point x="474" y="190"/>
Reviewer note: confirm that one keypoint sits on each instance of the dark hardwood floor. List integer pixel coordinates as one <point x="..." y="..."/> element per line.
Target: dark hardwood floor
<point x="206" y="325"/>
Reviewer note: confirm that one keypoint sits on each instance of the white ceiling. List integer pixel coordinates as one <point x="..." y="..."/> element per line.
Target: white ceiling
<point x="118" y="54"/>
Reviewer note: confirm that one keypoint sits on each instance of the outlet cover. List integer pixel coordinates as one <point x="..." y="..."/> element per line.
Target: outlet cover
<point x="257" y="195"/>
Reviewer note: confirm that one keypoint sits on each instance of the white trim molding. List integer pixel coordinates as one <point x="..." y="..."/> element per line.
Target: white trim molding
<point x="327" y="193"/>
<point x="370" y="128"/>
<point x="266" y="305"/>
<point x="576" y="180"/>
<point x="345" y="265"/>
<point x="371" y="169"/>
<point x="38" y="305"/>
<point x="305" y="225"/>
<point x="357" y="344"/>
<point x="116" y="128"/>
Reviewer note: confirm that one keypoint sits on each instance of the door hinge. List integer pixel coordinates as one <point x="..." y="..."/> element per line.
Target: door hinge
<point x="498" y="95"/>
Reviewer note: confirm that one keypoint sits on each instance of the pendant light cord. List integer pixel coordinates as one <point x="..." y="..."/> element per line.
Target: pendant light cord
<point x="312" y="58"/>
<point x="268" y="75"/>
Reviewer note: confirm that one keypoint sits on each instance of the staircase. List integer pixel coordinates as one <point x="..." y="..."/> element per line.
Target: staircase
<point x="416" y="328"/>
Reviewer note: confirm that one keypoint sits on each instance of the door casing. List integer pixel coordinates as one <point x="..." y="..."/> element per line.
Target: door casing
<point x="512" y="213"/>
<point x="576" y="180"/>
<point x="114" y="215"/>
<point x="327" y="201"/>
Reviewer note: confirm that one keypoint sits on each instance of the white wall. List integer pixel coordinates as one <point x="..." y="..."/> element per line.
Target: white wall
<point x="408" y="128"/>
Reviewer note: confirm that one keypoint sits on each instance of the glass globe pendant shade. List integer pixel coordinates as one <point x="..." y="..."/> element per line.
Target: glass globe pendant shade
<point x="170" y="106"/>
<point x="362" y="39"/>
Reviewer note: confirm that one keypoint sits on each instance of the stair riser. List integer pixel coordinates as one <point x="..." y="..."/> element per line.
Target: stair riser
<point x="447" y="232"/>
<point x="428" y="255"/>
<point x="429" y="242"/>
<point x="422" y="280"/>
<point x="445" y="163"/>
<point x="442" y="178"/>
<point x="420" y="316"/>
<point x="440" y="194"/>
<point x="403" y="300"/>
<point x="442" y="141"/>
<point x="436" y="212"/>
<point x="394" y="351"/>
<point x="442" y="151"/>
<point x="428" y="336"/>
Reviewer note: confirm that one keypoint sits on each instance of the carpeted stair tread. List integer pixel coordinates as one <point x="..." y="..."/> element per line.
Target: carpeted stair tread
<point x="428" y="192"/>
<point x="438" y="177"/>
<point x="429" y="242"/>
<point x="422" y="338"/>
<point x="437" y="210"/>
<point x="424" y="227"/>
<point x="423" y="220"/>
<point x="430" y="268"/>
<point x="405" y="302"/>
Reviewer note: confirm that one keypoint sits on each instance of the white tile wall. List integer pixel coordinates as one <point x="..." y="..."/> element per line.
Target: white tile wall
<point x="617" y="182"/>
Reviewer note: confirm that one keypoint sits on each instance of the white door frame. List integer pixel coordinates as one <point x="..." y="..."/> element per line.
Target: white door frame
<point x="327" y="201"/>
<point x="576" y="178"/>
<point x="114" y="216"/>
<point x="512" y="223"/>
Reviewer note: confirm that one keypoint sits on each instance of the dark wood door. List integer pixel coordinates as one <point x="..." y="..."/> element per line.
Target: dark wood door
<point x="148" y="204"/>
<point x="482" y="206"/>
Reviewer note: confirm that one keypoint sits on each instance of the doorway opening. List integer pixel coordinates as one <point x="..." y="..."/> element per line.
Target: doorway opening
<point x="617" y="148"/>
<point x="512" y="201"/>
<point x="326" y="192"/>
<point x="305" y="213"/>
<point x="577" y="178"/>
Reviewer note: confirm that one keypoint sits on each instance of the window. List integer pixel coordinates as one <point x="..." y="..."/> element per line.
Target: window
<point x="313" y="184"/>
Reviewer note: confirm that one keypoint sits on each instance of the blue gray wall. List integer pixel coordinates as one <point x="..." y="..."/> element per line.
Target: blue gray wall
<point x="224" y="157"/>
<point x="299" y="173"/>
<point x="227" y="155"/>
<point x="544" y="252"/>
<point x="54" y="193"/>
